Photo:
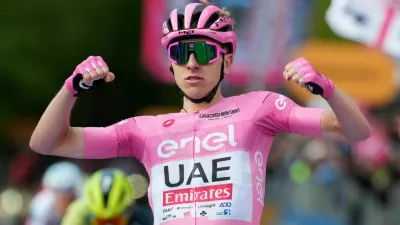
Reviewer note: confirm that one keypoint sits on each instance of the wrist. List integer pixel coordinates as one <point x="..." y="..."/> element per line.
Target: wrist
<point x="67" y="91"/>
<point x="329" y="88"/>
<point x="69" y="85"/>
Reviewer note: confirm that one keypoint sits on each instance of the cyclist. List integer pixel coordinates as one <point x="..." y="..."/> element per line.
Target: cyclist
<point x="108" y="199"/>
<point x="206" y="163"/>
<point x="61" y="185"/>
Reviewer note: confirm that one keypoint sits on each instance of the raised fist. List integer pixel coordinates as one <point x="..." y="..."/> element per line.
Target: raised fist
<point x="303" y="73"/>
<point x="90" y="72"/>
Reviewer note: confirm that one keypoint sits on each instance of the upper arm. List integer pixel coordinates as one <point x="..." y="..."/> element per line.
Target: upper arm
<point x="279" y="114"/>
<point x="121" y="139"/>
<point x="72" y="145"/>
<point x="330" y="127"/>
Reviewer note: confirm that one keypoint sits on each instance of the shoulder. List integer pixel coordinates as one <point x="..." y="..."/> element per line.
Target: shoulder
<point x="256" y="100"/>
<point x="258" y="97"/>
<point x="272" y="100"/>
<point x="140" y="120"/>
<point x="147" y="123"/>
<point x="142" y="127"/>
<point x="251" y="96"/>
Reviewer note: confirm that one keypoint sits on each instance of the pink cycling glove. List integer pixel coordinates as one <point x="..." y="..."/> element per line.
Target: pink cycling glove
<point x="74" y="83"/>
<point x="315" y="82"/>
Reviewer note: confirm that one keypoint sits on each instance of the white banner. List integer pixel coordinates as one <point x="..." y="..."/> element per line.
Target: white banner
<point x="375" y="23"/>
<point x="360" y="21"/>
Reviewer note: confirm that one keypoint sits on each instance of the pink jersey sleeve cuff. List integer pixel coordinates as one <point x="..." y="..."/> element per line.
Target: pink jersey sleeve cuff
<point x="306" y="121"/>
<point x="100" y="142"/>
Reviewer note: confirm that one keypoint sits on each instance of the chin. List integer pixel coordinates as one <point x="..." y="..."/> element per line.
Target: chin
<point x="195" y="95"/>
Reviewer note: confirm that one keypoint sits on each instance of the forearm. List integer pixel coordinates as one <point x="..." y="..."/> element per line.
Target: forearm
<point x="54" y="124"/>
<point x="351" y="122"/>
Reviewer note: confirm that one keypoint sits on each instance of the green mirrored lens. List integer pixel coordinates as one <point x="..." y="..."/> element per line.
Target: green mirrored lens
<point x="203" y="52"/>
<point x="174" y="52"/>
<point x="211" y="51"/>
<point x="180" y="53"/>
<point x="183" y="53"/>
<point x="200" y="52"/>
<point x="184" y="50"/>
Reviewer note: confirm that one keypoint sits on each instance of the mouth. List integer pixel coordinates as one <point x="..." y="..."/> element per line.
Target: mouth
<point x="194" y="79"/>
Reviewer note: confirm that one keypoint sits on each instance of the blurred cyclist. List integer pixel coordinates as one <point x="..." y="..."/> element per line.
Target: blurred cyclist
<point x="61" y="185"/>
<point x="206" y="163"/>
<point x="108" y="200"/>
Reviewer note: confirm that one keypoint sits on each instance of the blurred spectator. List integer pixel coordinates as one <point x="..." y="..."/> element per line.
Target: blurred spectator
<point x="62" y="183"/>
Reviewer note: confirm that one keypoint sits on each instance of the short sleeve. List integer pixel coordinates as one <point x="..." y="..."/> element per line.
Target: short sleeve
<point x="123" y="139"/>
<point x="280" y="114"/>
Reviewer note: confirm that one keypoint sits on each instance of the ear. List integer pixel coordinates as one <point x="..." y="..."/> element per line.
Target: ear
<point x="228" y="59"/>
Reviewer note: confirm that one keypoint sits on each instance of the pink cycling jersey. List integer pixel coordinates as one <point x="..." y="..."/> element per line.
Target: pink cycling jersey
<point x="207" y="167"/>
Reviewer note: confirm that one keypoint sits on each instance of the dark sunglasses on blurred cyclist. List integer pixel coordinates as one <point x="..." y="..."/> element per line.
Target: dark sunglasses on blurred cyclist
<point x="114" y="221"/>
<point x="205" y="52"/>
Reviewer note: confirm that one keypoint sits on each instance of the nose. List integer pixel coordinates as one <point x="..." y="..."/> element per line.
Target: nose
<point x="192" y="63"/>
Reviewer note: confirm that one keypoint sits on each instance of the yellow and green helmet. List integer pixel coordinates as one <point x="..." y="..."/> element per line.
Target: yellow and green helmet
<point x="109" y="193"/>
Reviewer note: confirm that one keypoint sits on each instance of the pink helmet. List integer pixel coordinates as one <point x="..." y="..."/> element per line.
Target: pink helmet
<point x="199" y="20"/>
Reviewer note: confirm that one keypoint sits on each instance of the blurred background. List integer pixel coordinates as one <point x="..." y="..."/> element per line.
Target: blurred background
<point x="355" y="43"/>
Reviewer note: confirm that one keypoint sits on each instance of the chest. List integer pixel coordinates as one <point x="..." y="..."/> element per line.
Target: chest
<point x="199" y="135"/>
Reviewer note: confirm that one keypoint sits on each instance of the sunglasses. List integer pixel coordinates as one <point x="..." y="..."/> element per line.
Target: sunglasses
<point x="205" y="52"/>
<point x="115" y="221"/>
